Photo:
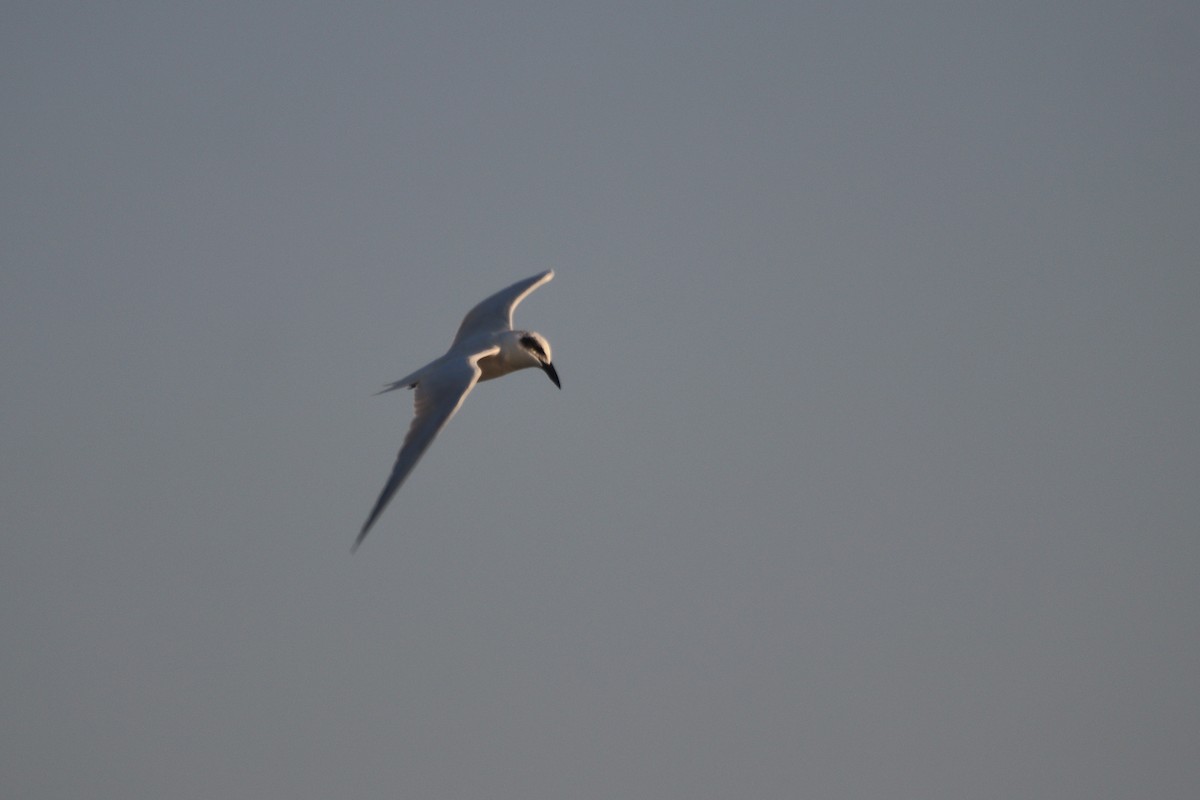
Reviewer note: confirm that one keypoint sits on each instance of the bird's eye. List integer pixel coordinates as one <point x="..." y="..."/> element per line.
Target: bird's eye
<point x="531" y="343"/>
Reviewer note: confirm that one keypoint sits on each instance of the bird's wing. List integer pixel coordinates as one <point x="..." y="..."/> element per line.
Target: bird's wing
<point x="495" y="313"/>
<point x="439" y="394"/>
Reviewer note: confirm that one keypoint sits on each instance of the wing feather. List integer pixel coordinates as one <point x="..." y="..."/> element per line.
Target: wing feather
<point x="495" y="313"/>
<point x="439" y="394"/>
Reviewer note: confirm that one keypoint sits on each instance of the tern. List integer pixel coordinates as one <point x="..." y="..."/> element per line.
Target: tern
<point x="485" y="347"/>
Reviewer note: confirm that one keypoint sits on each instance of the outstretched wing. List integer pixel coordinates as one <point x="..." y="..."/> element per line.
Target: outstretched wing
<point x="495" y="313"/>
<point x="439" y="394"/>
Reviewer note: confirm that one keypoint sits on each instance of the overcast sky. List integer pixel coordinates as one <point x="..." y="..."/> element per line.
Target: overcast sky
<point x="876" y="468"/>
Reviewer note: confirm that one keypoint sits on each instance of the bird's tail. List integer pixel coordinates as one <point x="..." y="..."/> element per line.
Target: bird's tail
<point x="407" y="382"/>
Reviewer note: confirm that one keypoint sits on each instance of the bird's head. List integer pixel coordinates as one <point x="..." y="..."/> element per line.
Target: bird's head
<point x="535" y="350"/>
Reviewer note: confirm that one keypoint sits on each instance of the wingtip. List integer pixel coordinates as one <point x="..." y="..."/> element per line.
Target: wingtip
<point x="361" y="535"/>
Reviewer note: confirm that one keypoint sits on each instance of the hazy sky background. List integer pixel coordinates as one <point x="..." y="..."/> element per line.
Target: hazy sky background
<point x="876" y="468"/>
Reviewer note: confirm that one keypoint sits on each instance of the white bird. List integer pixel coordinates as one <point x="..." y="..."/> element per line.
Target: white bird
<point x="485" y="347"/>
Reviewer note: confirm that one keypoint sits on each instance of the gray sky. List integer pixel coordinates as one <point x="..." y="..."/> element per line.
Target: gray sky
<point x="875" y="469"/>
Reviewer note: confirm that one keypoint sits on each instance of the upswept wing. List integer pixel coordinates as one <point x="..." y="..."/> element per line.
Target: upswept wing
<point x="495" y="313"/>
<point x="438" y="396"/>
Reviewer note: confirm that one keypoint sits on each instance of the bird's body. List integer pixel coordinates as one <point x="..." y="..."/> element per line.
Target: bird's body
<point x="485" y="347"/>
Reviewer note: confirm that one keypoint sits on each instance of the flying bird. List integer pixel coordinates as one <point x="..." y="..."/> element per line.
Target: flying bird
<point x="485" y="347"/>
